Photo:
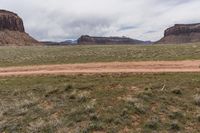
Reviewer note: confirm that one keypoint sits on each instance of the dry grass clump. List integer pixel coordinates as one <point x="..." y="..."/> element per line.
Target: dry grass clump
<point x="36" y="125"/>
<point x="198" y="117"/>
<point x="136" y="103"/>
<point x="197" y="99"/>
<point x="177" y="91"/>
<point x="175" y="126"/>
<point x="90" y="106"/>
<point x="153" y="123"/>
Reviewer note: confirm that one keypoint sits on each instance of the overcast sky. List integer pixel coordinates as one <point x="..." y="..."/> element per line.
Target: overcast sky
<point x="68" y="19"/>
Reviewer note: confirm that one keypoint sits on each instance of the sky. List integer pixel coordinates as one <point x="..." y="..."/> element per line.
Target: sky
<point x="58" y="20"/>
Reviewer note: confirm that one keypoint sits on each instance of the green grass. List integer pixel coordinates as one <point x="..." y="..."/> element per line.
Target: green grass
<point x="18" y="56"/>
<point x="107" y="103"/>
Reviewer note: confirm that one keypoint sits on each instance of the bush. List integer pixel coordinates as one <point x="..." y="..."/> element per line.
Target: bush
<point x="96" y="126"/>
<point x="83" y="96"/>
<point x="197" y="99"/>
<point x="136" y="104"/>
<point x="175" y="126"/>
<point x="73" y="95"/>
<point x="177" y="91"/>
<point x="146" y="95"/>
<point x="176" y="115"/>
<point x="151" y="125"/>
<point x="68" y="87"/>
<point x="94" y="117"/>
<point x="198" y="117"/>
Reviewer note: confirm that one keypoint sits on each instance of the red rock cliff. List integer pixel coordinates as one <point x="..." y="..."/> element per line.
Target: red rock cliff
<point x="181" y="33"/>
<point x="12" y="30"/>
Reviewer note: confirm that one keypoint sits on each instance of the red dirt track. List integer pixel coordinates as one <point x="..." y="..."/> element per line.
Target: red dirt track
<point x="111" y="67"/>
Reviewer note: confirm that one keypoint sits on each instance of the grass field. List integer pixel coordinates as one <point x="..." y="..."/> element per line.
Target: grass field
<point x="103" y="103"/>
<point x="18" y="56"/>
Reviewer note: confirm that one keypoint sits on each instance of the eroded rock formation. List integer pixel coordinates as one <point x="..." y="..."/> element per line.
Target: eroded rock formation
<point x="108" y="40"/>
<point x="181" y="33"/>
<point x="12" y="30"/>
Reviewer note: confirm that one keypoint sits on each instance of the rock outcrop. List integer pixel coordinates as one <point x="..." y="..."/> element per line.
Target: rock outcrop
<point x="181" y="33"/>
<point x="108" y="40"/>
<point x="10" y="21"/>
<point x="12" y="30"/>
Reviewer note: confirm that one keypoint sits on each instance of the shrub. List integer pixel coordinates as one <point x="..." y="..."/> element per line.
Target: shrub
<point x="140" y="108"/>
<point x="136" y="104"/>
<point x="175" y="126"/>
<point x="96" y="126"/>
<point x="177" y="91"/>
<point x="198" y="117"/>
<point x="176" y="115"/>
<point x="68" y="87"/>
<point x="197" y="99"/>
<point x="94" y="117"/>
<point x="90" y="107"/>
<point x="83" y="96"/>
<point x="153" y="123"/>
<point x="72" y="96"/>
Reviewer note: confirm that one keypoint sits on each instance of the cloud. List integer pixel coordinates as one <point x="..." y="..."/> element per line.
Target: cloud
<point x="151" y="31"/>
<point x="123" y="28"/>
<point x="68" y="19"/>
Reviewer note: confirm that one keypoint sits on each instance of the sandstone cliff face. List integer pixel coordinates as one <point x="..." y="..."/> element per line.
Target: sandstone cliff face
<point x="12" y="30"/>
<point x="108" y="40"/>
<point x="181" y="33"/>
<point x="10" y="21"/>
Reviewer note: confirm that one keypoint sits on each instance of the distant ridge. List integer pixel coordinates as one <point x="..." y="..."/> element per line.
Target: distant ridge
<point x="86" y="39"/>
<point x="66" y="42"/>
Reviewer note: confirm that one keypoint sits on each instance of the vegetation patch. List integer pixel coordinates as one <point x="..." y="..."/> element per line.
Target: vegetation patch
<point x="100" y="103"/>
<point x="20" y="56"/>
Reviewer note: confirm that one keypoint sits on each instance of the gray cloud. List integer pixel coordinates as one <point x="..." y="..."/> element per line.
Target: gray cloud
<point x="123" y="28"/>
<point x="151" y="31"/>
<point x="66" y="19"/>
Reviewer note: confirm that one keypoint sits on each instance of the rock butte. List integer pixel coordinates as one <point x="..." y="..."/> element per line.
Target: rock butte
<point x="181" y="33"/>
<point x="12" y="30"/>
<point x="85" y="39"/>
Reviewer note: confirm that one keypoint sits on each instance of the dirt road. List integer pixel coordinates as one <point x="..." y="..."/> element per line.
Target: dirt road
<point x="111" y="67"/>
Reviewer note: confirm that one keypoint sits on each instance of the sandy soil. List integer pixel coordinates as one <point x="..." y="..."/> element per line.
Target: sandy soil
<point x="111" y="67"/>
